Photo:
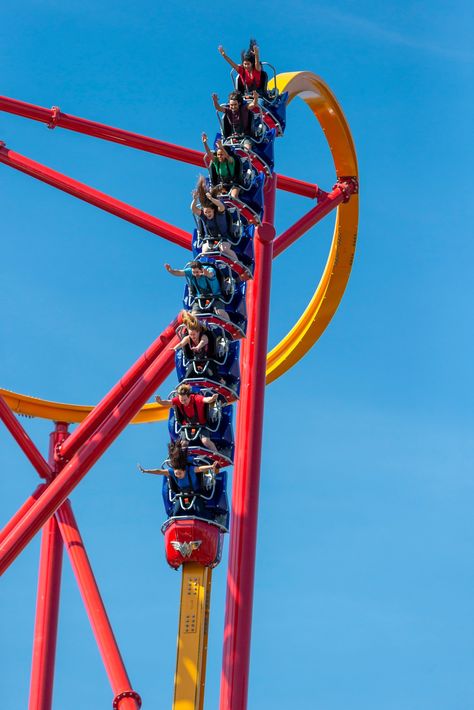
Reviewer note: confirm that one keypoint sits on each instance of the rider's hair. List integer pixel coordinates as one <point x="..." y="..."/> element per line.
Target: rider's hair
<point x="178" y="454"/>
<point x="196" y="265"/>
<point x="248" y="55"/>
<point x="184" y="389"/>
<point x="190" y="320"/>
<point x="201" y="189"/>
<point x="236" y="96"/>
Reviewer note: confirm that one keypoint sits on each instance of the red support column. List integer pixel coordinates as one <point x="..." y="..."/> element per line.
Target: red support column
<point x="125" y="697"/>
<point x="94" y="197"/>
<point x="98" y="415"/>
<point x="23" y="440"/>
<point x="245" y="487"/>
<point x="47" y="604"/>
<point x="61" y="487"/>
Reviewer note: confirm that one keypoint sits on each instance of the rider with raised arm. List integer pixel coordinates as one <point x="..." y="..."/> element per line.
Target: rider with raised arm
<point x="214" y="218"/>
<point x="225" y="169"/>
<point x="190" y="409"/>
<point x="238" y="119"/>
<point x="204" y="282"/>
<point x="181" y="471"/>
<point x="251" y="77"/>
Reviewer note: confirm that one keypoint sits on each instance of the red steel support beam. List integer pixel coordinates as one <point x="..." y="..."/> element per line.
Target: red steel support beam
<point x="61" y="487"/>
<point x="54" y="117"/>
<point x="47" y="603"/>
<point x="94" y="197"/>
<point x="340" y="193"/>
<point x="246" y="479"/>
<point x="100" y="412"/>
<point x="23" y="440"/>
<point x="125" y="697"/>
<point x="22" y="511"/>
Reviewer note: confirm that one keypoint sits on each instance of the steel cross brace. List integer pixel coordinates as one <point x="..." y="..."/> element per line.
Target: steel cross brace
<point x="62" y="529"/>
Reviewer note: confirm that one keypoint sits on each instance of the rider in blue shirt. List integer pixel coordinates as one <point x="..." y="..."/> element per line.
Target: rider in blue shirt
<point x="204" y="282"/>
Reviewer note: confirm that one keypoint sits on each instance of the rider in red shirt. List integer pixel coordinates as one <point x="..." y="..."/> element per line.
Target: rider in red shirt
<point x="190" y="409"/>
<point x="250" y="71"/>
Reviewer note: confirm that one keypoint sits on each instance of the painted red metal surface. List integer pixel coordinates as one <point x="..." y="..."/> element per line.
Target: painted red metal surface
<point x="61" y="487"/>
<point x="245" y="487"/>
<point x="95" y="197"/>
<point x="56" y="118"/>
<point x="193" y="541"/>
<point x="23" y="440"/>
<point x="334" y="198"/>
<point x="101" y="411"/>
<point x="47" y="602"/>
<point x="46" y="624"/>
<point x="21" y="512"/>
<point x="96" y="612"/>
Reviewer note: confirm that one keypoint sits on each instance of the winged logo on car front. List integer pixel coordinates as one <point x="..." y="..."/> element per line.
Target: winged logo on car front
<point x="186" y="548"/>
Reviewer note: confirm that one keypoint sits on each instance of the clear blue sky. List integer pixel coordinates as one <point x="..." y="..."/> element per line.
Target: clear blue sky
<point x="364" y="582"/>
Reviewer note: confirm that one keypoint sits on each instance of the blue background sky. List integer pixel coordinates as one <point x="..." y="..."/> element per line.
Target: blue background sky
<point x="364" y="581"/>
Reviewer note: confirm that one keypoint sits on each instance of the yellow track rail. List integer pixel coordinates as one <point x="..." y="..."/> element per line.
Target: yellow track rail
<point x="192" y="637"/>
<point x="327" y="296"/>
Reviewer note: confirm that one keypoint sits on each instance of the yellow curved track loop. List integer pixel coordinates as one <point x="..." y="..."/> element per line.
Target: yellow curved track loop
<point x="327" y="296"/>
<point x="330" y="289"/>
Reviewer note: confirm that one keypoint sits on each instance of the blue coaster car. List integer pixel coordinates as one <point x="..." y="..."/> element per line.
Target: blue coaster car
<point x="239" y="236"/>
<point x="208" y="503"/>
<point x="217" y="369"/>
<point x="233" y="298"/>
<point x="275" y="113"/>
<point x="262" y="154"/>
<point x="253" y="196"/>
<point x="219" y="428"/>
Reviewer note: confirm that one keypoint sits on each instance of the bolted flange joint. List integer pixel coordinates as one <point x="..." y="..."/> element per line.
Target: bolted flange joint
<point x="349" y="185"/>
<point x="58" y="457"/>
<point x="55" y="114"/>
<point x="126" y="694"/>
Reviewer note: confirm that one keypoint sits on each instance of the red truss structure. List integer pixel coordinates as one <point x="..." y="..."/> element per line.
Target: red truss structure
<point x="71" y="456"/>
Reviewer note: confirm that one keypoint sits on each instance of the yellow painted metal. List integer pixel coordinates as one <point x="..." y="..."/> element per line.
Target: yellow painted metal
<point x="325" y="301"/>
<point x="323" y="104"/>
<point x="191" y="656"/>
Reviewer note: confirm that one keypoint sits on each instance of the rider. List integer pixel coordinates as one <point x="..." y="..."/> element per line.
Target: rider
<point x="213" y="216"/>
<point x="238" y="119"/>
<point x="190" y="409"/>
<point x="225" y="169"/>
<point x="251" y="77"/>
<point x="205" y="284"/>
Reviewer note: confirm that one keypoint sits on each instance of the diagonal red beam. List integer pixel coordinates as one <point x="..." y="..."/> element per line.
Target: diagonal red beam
<point x="100" y="412"/>
<point x="54" y="117"/>
<point x="125" y="697"/>
<point x="24" y="441"/>
<point x="21" y="512"/>
<point x="47" y="602"/>
<point x="340" y="193"/>
<point x="95" y="197"/>
<point x="61" y="487"/>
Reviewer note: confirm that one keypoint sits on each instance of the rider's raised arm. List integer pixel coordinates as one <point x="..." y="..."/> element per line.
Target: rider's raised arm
<point x="228" y="59"/>
<point x="256" y="52"/>
<point x="174" y="272"/>
<point x="156" y="471"/>
<point x="193" y="206"/>
<point x="217" y="105"/>
<point x="163" y="402"/>
<point x="209" y="153"/>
